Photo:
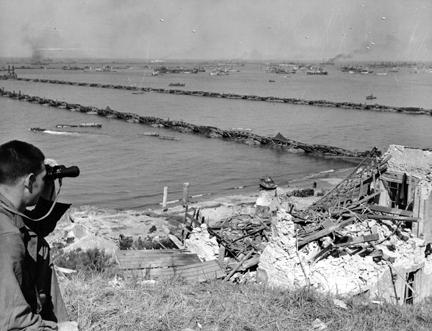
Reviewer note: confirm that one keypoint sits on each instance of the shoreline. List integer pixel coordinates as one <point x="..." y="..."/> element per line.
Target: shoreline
<point x="325" y="180"/>
<point x="91" y="226"/>
<point x="240" y="191"/>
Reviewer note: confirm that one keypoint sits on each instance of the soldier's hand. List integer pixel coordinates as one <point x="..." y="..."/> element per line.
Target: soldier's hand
<point x="49" y="190"/>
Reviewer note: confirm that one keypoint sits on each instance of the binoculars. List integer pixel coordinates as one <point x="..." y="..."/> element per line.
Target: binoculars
<point x="61" y="171"/>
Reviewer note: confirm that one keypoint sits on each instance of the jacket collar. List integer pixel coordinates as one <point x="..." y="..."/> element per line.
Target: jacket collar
<point x="14" y="218"/>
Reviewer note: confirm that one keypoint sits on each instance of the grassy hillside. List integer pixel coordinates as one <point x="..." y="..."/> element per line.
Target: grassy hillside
<point x="104" y="301"/>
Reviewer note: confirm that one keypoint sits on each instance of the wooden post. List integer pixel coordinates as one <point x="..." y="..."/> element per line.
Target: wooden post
<point x="164" y="199"/>
<point x="416" y="212"/>
<point x="185" y="194"/>
<point x="221" y="255"/>
<point x="185" y="204"/>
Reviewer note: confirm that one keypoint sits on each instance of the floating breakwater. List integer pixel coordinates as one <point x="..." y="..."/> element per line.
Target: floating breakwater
<point x="241" y="136"/>
<point x="294" y="101"/>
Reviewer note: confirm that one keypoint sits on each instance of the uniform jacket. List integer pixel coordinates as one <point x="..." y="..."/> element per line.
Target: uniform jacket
<point x="25" y="270"/>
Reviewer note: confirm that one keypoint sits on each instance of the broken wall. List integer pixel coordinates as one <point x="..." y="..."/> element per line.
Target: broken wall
<point x="416" y="164"/>
<point x="283" y="265"/>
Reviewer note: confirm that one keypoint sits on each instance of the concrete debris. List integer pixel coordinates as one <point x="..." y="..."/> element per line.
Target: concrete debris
<point x="200" y="243"/>
<point x="318" y="325"/>
<point x="340" y="303"/>
<point x="346" y="244"/>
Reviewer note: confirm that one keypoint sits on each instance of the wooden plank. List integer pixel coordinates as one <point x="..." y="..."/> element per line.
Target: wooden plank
<point x="388" y="217"/>
<point x="176" y="241"/>
<point x="149" y="252"/>
<point x="150" y="257"/>
<point x="324" y="232"/>
<point x="388" y="210"/>
<point x="238" y="265"/>
<point x="392" y="177"/>
<point x="166" y="273"/>
<point x="156" y="261"/>
<point x="197" y="272"/>
<point x="134" y="262"/>
<point x="359" y="202"/>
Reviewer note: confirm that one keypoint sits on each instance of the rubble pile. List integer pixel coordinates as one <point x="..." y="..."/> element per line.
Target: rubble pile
<point x="241" y="233"/>
<point x="346" y="244"/>
<point x="345" y="262"/>
<point x="199" y="242"/>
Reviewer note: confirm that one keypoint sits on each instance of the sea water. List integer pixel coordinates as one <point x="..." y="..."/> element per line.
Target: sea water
<point x="126" y="165"/>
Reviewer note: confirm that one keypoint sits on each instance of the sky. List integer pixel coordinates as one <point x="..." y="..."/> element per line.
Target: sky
<point x="377" y="30"/>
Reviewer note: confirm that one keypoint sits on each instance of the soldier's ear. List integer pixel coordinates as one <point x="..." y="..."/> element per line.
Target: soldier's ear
<point x="28" y="182"/>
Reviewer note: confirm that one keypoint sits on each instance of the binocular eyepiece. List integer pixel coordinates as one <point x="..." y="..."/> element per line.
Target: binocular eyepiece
<point x="61" y="171"/>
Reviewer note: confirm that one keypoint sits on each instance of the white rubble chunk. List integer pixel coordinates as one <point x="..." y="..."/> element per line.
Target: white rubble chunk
<point x="201" y="244"/>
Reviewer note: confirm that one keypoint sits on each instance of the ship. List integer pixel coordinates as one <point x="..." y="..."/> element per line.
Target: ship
<point x="371" y="97"/>
<point x="316" y="72"/>
<point x="176" y="84"/>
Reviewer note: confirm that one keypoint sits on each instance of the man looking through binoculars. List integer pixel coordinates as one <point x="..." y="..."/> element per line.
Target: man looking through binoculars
<point x="30" y="298"/>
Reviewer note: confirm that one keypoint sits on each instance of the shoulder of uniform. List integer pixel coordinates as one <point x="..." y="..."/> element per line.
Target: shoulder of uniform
<point x="7" y="225"/>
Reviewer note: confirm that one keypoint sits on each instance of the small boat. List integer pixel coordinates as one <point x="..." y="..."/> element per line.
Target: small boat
<point x="37" y="129"/>
<point x="168" y="138"/>
<point x="371" y="97"/>
<point x="90" y="125"/>
<point x="271" y="81"/>
<point x="176" y="84"/>
<point x="316" y="72"/>
<point x="151" y="134"/>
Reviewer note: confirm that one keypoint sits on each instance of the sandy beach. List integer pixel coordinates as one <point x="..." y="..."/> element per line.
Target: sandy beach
<point x="89" y="227"/>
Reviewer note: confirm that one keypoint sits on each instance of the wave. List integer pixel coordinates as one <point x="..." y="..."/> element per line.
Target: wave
<point x="64" y="133"/>
<point x="54" y="132"/>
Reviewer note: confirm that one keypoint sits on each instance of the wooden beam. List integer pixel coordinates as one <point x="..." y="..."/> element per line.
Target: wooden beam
<point x="392" y="177"/>
<point x="324" y="232"/>
<point x="389" y="217"/>
<point x="388" y="210"/>
<point x="237" y="267"/>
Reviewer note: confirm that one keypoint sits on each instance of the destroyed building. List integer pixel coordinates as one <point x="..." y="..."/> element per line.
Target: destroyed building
<point x="369" y="236"/>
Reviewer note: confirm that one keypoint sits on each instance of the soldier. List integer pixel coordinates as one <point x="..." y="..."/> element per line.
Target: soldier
<point x="29" y="294"/>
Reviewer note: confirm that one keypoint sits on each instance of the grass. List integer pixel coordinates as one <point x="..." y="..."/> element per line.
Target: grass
<point x="100" y="302"/>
